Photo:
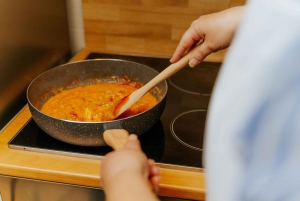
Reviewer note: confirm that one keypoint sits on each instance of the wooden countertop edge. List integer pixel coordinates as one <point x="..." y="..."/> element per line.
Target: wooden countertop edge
<point x="81" y="55"/>
<point x="52" y="176"/>
<point x="82" y="171"/>
<point x="182" y="192"/>
<point x="166" y="189"/>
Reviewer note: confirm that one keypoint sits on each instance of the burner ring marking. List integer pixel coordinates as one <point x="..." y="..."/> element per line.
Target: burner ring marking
<point x="174" y="134"/>
<point x="187" y="91"/>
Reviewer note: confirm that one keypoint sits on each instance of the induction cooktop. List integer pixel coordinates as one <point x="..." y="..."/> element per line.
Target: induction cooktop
<point x="176" y="140"/>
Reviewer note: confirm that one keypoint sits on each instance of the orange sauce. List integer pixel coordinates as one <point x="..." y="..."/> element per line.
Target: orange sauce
<point x="94" y="103"/>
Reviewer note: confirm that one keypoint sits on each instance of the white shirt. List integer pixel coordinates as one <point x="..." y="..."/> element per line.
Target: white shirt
<point x="253" y="126"/>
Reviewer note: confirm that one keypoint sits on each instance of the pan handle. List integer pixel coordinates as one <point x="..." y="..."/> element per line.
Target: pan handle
<point x="116" y="138"/>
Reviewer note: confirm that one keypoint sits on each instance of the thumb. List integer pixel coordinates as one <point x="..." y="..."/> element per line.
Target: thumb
<point x="133" y="142"/>
<point x="200" y="53"/>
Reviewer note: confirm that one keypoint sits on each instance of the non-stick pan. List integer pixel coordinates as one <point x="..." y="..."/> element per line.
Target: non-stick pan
<point x="87" y="72"/>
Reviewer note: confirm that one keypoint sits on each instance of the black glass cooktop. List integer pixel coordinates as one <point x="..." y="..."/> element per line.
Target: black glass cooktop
<point x="176" y="140"/>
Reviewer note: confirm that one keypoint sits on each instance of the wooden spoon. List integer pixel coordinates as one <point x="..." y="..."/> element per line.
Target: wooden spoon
<point x="126" y="102"/>
<point x="116" y="138"/>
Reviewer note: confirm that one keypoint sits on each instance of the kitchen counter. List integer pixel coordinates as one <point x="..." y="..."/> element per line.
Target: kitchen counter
<point x="185" y="183"/>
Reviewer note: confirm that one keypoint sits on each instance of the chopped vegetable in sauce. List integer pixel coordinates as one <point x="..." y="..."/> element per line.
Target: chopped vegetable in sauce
<point x="94" y="103"/>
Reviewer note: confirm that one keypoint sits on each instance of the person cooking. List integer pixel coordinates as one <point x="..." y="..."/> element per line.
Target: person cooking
<point x="252" y="133"/>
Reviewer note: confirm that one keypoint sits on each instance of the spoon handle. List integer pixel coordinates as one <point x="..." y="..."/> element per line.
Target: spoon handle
<point x="166" y="73"/>
<point x="169" y="71"/>
<point x="116" y="138"/>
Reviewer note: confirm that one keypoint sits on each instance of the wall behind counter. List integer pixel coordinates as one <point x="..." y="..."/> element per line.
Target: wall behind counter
<point x="33" y="38"/>
<point x="145" y="27"/>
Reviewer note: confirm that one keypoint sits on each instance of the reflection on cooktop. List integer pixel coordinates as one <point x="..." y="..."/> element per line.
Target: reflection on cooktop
<point x="32" y="136"/>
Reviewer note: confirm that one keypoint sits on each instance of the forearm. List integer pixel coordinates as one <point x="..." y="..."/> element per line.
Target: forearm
<point x="129" y="187"/>
<point x="235" y="16"/>
<point x="218" y="29"/>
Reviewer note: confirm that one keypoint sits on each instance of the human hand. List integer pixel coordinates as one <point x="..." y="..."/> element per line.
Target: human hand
<point x="129" y="170"/>
<point x="215" y="31"/>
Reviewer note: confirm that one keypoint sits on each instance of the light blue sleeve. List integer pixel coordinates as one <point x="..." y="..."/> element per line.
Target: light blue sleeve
<point x="252" y="148"/>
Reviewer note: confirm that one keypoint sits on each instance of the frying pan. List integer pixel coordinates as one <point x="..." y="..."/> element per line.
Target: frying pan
<point x="87" y="72"/>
